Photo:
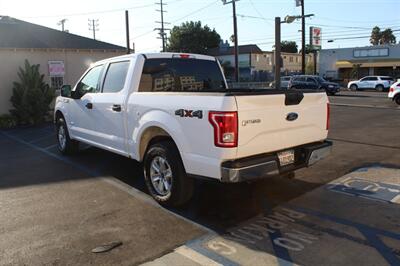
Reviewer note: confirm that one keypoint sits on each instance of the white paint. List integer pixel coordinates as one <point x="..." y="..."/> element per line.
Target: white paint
<point x="195" y="256"/>
<point x="288" y="244"/>
<point x="222" y="247"/>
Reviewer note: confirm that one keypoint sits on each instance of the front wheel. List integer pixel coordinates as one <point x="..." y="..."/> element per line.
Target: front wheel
<point x="353" y="87"/>
<point x="165" y="175"/>
<point x="65" y="144"/>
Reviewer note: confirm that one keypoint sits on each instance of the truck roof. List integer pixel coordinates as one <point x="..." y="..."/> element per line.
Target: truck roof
<point x="161" y="55"/>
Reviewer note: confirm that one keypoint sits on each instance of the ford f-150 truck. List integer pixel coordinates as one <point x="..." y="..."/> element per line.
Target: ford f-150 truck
<point x="175" y="114"/>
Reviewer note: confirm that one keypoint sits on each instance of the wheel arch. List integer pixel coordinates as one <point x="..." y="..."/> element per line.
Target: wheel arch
<point x="58" y="114"/>
<point x="150" y="136"/>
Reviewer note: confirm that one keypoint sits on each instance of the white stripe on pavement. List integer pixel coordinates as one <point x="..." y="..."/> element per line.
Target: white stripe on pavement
<point x="195" y="256"/>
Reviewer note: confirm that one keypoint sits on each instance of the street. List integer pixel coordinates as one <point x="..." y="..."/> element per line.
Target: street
<point x="57" y="209"/>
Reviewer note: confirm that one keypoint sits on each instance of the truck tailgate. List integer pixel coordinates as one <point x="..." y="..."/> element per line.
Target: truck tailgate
<point x="266" y="124"/>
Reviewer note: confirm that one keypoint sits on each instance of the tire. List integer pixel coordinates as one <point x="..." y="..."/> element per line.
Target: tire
<point x="379" y="88"/>
<point x="397" y="99"/>
<point x="353" y="87"/>
<point x="165" y="175"/>
<point x="65" y="144"/>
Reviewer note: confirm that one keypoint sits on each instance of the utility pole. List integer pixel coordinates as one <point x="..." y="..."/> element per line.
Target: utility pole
<point x="303" y="39"/>
<point x="93" y="26"/>
<point x="128" y="49"/>
<point x="278" y="53"/>
<point x="235" y="36"/>
<point x="162" y="29"/>
<point x="62" y="22"/>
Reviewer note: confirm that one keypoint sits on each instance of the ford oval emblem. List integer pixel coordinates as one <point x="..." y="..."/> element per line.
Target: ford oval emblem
<point x="292" y="116"/>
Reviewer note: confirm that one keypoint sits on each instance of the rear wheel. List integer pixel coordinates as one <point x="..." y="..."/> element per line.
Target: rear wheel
<point x="165" y="175"/>
<point x="379" y="88"/>
<point x="65" y="144"/>
<point x="353" y="87"/>
<point x="397" y="99"/>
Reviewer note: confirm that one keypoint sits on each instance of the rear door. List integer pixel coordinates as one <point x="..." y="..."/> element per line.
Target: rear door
<point x="266" y="124"/>
<point x="109" y="106"/>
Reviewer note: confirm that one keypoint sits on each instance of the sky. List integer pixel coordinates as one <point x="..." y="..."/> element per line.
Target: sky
<point x="347" y="22"/>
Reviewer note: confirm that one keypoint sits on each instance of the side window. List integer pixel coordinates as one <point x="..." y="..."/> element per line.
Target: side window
<point x="373" y="78"/>
<point x="115" y="77"/>
<point x="311" y="80"/>
<point x="89" y="83"/>
<point x="364" y="79"/>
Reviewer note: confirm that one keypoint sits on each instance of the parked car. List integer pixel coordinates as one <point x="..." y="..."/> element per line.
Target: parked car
<point x="284" y="82"/>
<point x="394" y="92"/>
<point x="310" y="82"/>
<point x="379" y="83"/>
<point x="176" y="115"/>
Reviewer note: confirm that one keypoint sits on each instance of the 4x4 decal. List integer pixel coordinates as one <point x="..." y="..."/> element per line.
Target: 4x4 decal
<point x="189" y="113"/>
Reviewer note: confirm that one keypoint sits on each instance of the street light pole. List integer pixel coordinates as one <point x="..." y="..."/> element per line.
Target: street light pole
<point x="235" y="36"/>
<point x="277" y="53"/>
<point x="303" y="39"/>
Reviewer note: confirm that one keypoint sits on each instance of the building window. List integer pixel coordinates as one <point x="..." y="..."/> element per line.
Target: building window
<point x="291" y="59"/>
<point x="297" y="59"/>
<point x="56" y="82"/>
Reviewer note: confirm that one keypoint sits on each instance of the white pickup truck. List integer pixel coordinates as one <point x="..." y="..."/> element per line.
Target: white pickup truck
<point x="176" y="115"/>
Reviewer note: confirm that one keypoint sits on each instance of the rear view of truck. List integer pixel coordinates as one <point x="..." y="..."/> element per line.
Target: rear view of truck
<point x="277" y="132"/>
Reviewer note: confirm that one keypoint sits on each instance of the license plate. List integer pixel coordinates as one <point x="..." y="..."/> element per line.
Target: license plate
<point x="286" y="157"/>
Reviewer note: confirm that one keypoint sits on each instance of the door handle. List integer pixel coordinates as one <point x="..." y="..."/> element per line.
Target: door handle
<point x="89" y="105"/>
<point x="116" y="108"/>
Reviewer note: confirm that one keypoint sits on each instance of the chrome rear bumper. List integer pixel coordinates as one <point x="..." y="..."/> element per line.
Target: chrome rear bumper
<point x="267" y="165"/>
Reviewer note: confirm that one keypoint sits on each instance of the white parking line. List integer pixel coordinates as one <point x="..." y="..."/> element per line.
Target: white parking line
<point x="196" y="257"/>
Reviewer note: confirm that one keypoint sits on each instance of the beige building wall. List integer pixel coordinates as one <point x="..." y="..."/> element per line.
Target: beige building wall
<point x="291" y="61"/>
<point x="75" y="63"/>
<point x="263" y="61"/>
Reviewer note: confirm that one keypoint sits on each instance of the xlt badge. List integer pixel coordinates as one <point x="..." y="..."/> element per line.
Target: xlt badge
<point x="251" y="121"/>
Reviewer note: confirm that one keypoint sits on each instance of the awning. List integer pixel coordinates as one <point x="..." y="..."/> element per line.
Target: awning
<point x="350" y="64"/>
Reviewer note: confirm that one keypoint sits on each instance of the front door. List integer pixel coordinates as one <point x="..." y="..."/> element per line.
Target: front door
<point x="82" y="124"/>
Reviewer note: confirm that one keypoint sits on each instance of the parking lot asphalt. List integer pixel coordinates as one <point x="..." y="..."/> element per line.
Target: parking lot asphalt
<point x="54" y="210"/>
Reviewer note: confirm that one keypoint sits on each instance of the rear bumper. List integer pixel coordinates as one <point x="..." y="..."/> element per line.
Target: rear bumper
<point x="267" y="165"/>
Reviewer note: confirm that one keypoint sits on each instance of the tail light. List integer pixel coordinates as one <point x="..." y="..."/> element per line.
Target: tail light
<point x="328" y="115"/>
<point x="391" y="89"/>
<point x="225" y="126"/>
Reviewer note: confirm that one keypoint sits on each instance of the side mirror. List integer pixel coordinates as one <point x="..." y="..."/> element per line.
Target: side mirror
<point x="66" y="91"/>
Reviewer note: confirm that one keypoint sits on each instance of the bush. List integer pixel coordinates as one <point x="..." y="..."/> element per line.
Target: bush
<point x="7" y="121"/>
<point x="31" y="96"/>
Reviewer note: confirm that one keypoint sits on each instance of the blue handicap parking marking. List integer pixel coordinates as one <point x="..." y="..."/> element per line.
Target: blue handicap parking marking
<point x="368" y="189"/>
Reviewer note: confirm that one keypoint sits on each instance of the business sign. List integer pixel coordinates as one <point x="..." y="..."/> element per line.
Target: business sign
<point x="56" y="68"/>
<point x="298" y="3"/>
<point x="315" y="38"/>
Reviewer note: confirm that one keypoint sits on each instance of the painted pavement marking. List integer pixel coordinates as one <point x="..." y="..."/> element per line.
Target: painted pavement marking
<point x="361" y="187"/>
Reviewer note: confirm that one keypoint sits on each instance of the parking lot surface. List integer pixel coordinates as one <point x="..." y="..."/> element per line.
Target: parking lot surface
<point x="55" y="209"/>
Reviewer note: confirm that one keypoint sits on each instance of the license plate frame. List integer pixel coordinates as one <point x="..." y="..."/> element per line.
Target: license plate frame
<point x="286" y="157"/>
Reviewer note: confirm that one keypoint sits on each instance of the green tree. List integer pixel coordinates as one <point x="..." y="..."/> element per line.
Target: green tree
<point x="309" y="68"/>
<point x="192" y="37"/>
<point x="379" y="37"/>
<point x="355" y="71"/>
<point x="309" y="49"/>
<point x="289" y="47"/>
<point x="387" y="37"/>
<point x="31" y="96"/>
<point x="375" y="36"/>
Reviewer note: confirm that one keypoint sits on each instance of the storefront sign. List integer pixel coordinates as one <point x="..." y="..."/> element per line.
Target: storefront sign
<point x="315" y="38"/>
